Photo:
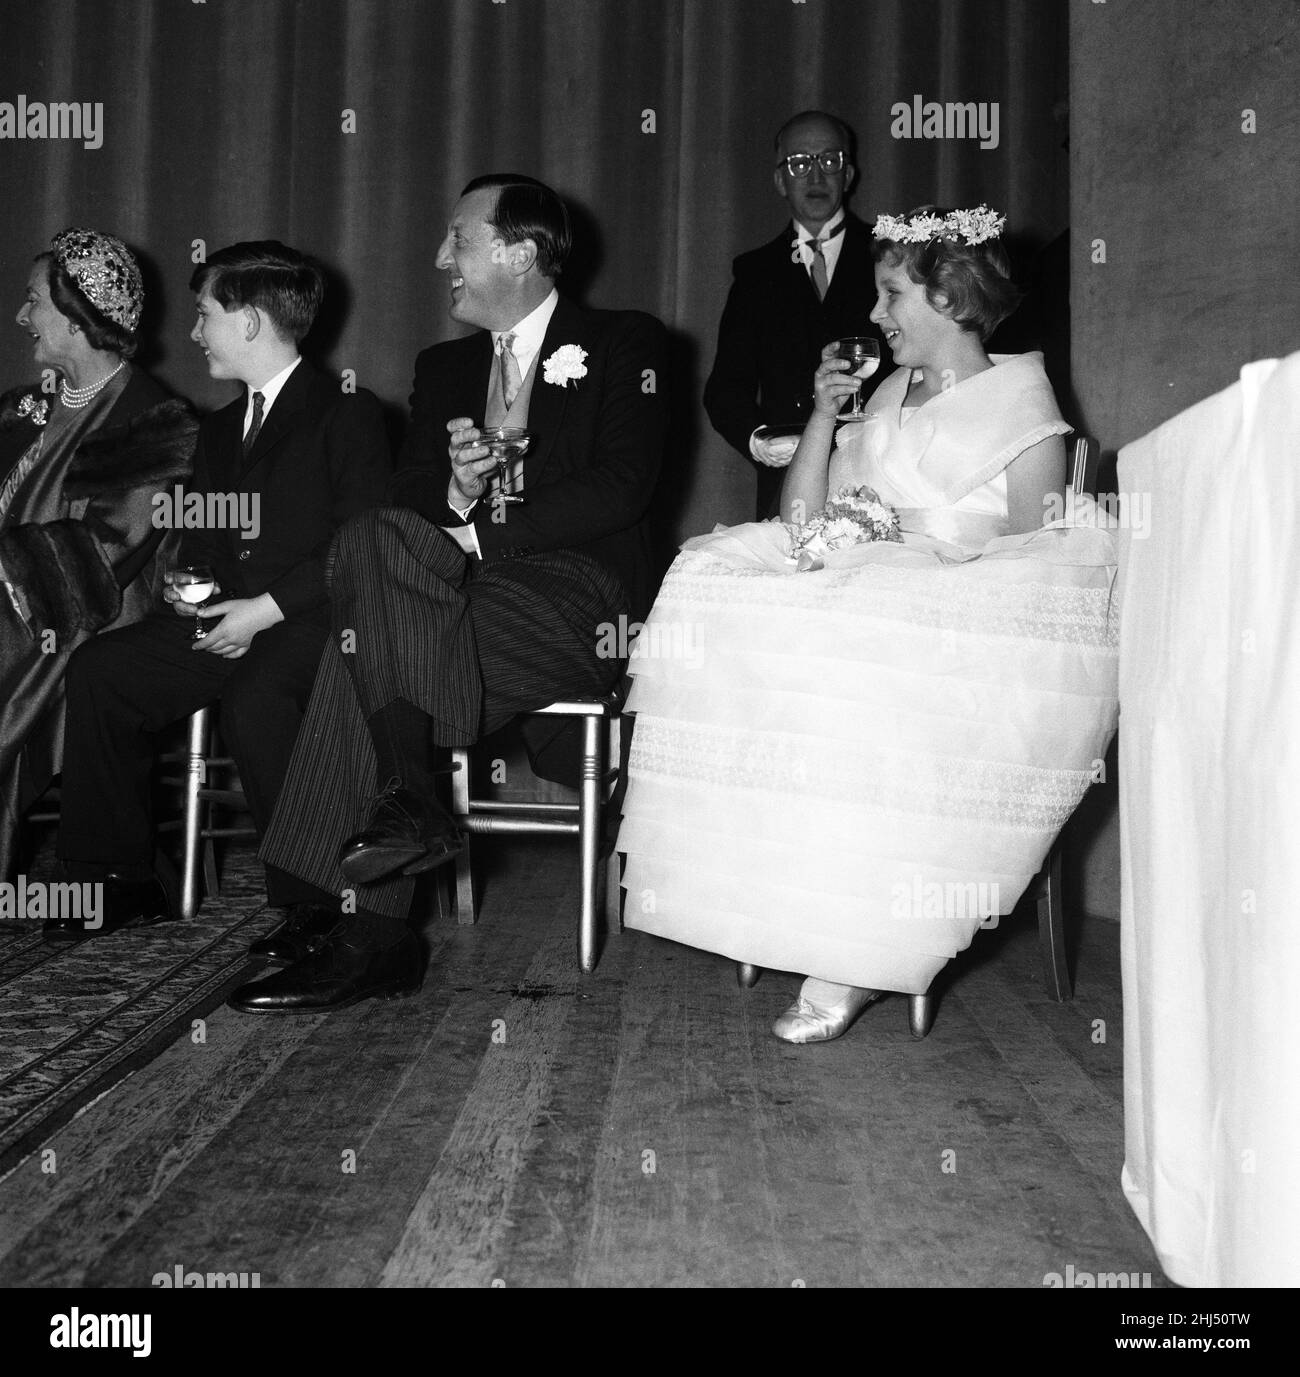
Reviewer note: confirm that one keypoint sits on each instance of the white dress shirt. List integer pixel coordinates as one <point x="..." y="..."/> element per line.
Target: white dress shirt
<point x="830" y="248"/>
<point x="529" y="333"/>
<point x="270" y="391"/>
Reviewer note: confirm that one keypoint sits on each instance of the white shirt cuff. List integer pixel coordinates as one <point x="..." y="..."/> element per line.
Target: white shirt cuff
<point x="465" y="536"/>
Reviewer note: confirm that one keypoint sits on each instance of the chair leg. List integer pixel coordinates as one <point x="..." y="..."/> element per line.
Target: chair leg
<point x="211" y="879"/>
<point x="747" y="975"/>
<point x="466" y="910"/>
<point x="614" y="893"/>
<point x="1051" y="929"/>
<point x="590" y="817"/>
<point x="611" y="873"/>
<point x="438" y="901"/>
<point x="920" y="1014"/>
<point x="191" y="837"/>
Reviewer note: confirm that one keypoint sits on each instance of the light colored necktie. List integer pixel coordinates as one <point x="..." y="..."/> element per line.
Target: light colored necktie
<point x="511" y="378"/>
<point x="817" y="259"/>
<point x="818" y="268"/>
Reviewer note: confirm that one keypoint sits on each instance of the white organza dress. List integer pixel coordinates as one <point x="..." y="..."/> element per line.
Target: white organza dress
<point x="844" y="772"/>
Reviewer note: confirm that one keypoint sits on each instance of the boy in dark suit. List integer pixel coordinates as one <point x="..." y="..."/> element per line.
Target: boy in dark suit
<point x="276" y="473"/>
<point x="466" y="611"/>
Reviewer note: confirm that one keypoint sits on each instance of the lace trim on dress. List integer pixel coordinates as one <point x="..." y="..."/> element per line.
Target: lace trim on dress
<point x="864" y="775"/>
<point x="952" y="600"/>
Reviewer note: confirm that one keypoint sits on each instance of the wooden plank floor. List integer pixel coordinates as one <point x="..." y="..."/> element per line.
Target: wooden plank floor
<point x="638" y="1127"/>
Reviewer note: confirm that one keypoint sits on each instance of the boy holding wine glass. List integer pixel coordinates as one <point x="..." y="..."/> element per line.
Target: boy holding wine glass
<point x="304" y="455"/>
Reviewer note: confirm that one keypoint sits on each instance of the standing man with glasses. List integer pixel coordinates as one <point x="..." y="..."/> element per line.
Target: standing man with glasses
<point x="811" y="284"/>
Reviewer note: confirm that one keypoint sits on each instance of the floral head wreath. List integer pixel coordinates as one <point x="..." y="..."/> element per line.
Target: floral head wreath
<point x="970" y="226"/>
<point x="104" y="270"/>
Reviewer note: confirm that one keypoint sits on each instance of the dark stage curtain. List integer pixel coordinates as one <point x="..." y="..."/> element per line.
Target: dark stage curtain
<point x="225" y="120"/>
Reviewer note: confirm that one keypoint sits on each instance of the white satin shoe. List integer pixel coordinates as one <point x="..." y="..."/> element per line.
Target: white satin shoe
<point x="805" y="1021"/>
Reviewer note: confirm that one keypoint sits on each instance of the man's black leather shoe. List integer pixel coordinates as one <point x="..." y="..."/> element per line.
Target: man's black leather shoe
<point x="298" y="936"/>
<point x="335" y="975"/>
<point x="125" y="904"/>
<point x="406" y="833"/>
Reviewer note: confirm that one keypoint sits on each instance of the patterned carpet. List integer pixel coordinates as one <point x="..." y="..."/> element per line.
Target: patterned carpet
<point x="77" y="1017"/>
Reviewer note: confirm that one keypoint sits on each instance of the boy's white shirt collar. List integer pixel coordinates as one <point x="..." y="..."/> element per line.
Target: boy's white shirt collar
<point x="270" y="391"/>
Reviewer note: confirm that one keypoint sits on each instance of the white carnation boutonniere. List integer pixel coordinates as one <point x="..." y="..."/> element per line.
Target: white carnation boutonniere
<point x="37" y="408"/>
<point x="566" y="365"/>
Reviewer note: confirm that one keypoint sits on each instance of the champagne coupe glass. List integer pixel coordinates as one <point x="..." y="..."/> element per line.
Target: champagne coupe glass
<point x="194" y="584"/>
<point x="863" y="354"/>
<point x="505" y="444"/>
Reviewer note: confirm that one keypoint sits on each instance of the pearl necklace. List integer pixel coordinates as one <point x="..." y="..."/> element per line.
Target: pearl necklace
<point x="74" y="398"/>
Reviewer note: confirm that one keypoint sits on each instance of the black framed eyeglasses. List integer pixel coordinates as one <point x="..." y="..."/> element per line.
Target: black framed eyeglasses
<point x="801" y="164"/>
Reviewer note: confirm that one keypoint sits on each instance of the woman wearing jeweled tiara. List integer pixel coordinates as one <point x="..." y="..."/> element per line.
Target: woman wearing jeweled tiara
<point x="83" y="450"/>
<point x="859" y="729"/>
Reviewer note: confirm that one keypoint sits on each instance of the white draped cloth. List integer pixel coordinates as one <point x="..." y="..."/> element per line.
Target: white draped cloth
<point x="846" y="772"/>
<point x="1210" y="833"/>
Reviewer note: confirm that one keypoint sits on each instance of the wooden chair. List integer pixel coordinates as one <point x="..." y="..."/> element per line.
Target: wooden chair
<point x="199" y="797"/>
<point x="1048" y="885"/>
<point x="602" y="741"/>
<point x="584" y="819"/>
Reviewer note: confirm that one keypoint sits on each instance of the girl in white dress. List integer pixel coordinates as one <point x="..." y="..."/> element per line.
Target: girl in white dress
<point x="845" y="772"/>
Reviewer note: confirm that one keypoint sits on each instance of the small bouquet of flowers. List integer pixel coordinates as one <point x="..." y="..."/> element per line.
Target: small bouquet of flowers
<point x="852" y="516"/>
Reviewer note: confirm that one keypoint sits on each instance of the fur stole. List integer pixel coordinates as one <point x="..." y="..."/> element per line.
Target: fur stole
<point x="152" y="449"/>
<point x="66" y="576"/>
<point x="155" y="446"/>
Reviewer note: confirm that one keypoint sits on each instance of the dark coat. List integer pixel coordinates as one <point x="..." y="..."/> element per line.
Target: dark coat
<point x="771" y="337"/>
<point x="83" y="554"/>
<point x="321" y="457"/>
<point x="598" y="446"/>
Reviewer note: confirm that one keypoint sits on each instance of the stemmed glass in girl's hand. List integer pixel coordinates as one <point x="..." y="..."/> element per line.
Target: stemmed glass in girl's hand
<point x="863" y="354"/>
<point x="505" y="444"/>
<point x="194" y="584"/>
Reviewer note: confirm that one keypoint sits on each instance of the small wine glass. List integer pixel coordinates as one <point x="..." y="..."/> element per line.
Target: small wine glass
<point x="863" y="354"/>
<point x="505" y="444"/>
<point x="194" y="584"/>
